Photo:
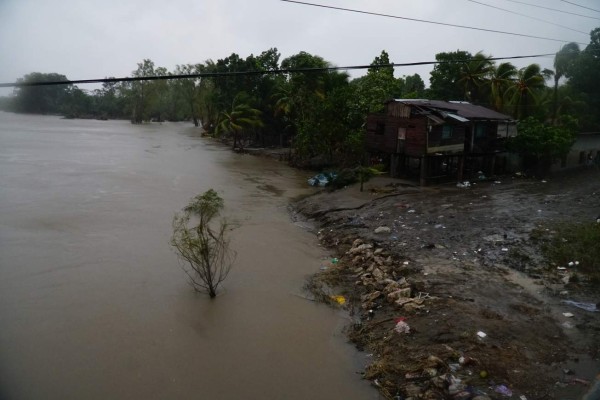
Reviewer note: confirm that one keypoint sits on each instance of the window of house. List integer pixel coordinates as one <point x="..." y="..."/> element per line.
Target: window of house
<point x="479" y="130"/>
<point x="447" y="131"/>
<point x="380" y="128"/>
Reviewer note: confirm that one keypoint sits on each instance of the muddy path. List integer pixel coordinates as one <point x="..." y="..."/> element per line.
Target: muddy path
<point x="486" y="313"/>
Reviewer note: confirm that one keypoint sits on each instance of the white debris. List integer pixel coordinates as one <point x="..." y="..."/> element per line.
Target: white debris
<point x="382" y="229"/>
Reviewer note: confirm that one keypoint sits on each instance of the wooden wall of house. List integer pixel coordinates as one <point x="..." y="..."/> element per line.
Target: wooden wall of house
<point x="416" y="137"/>
<point x="380" y="137"/>
<point x="382" y="134"/>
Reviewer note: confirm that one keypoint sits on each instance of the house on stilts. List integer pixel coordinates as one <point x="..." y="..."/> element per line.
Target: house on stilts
<point x="438" y="140"/>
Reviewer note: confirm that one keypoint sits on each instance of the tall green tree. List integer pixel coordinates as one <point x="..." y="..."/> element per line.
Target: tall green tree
<point x="473" y="77"/>
<point x="315" y="103"/>
<point x="523" y="94"/>
<point x="162" y="96"/>
<point x="563" y="62"/>
<point x="77" y="104"/>
<point x="445" y="75"/>
<point x="187" y="90"/>
<point x="500" y="79"/>
<point x="239" y="120"/>
<point x="377" y="86"/>
<point x="584" y="78"/>
<point x="413" y="87"/>
<point x="141" y="95"/>
<point x="41" y="99"/>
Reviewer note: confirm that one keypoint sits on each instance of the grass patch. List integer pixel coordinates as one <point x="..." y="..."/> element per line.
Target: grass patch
<point x="570" y="242"/>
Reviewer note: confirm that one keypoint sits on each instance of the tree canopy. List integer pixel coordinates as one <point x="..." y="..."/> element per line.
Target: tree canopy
<point x="321" y="114"/>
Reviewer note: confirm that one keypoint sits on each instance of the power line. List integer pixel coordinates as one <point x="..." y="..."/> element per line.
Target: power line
<point x="428" y="22"/>
<point x="252" y="72"/>
<point x="578" y="5"/>
<point x="527" y="16"/>
<point x="552" y="9"/>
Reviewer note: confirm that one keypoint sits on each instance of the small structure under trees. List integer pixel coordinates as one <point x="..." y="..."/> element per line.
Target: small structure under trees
<point x="201" y="243"/>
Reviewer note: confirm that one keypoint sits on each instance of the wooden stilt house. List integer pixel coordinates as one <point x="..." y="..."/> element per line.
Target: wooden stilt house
<point x="435" y="139"/>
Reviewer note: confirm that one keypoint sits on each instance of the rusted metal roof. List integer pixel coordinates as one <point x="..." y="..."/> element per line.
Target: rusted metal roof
<point x="462" y="109"/>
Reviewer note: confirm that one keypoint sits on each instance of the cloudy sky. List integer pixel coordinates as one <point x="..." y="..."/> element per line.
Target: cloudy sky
<point x="87" y="39"/>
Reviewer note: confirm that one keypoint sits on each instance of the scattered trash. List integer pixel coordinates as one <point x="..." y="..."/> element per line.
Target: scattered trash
<point x="382" y="229"/>
<point x="466" y="361"/>
<point x="584" y="306"/>
<point x="463" y="185"/>
<point x="581" y="381"/>
<point x="573" y="263"/>
<point x="523" y="397"/>
<point x="341" y="300"/>
<point x="497" y="182"/>
<point x="455" y="386"/>
<point x="567" y="325"/>
<point x="544" y="181"/>
<point x="321" y="179"/>
<point x="481" y="334"/>
<point x="504" y="249"/>
<point x="568" y="314"/>
<point x="405" y="263"/>
<point x="561" y="268"/>
<point x="411" y="211"/>
<point x="334" y="260"/>
<point x="503" y="390"/>
<point x="401" y="326"/>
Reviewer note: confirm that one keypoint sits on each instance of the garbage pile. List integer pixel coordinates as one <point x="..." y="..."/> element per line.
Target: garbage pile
<point x="385" y="286"/>
<point x="381" y="279"/>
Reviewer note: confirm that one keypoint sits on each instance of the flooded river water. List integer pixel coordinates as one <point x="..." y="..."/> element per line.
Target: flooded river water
<point x="93" y="304"/>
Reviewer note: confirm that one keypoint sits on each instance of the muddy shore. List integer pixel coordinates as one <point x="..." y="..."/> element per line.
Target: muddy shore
<point x="448" y="293"/>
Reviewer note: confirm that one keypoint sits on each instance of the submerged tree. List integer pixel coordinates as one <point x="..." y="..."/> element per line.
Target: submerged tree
<point x="201" y="243"/>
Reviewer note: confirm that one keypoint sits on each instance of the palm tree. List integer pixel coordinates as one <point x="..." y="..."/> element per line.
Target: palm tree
<point x="500" y="80"/>
<point x="523" y="92"/>
<point x="241" y="117"/>
<point x="474" y="74"/>
<point x="562" y="63"/>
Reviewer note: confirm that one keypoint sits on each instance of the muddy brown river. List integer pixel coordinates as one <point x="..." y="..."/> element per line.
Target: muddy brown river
<point x="93" y="304"/>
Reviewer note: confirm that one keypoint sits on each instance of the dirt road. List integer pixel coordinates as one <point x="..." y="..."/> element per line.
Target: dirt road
<point x="486" y="316"/>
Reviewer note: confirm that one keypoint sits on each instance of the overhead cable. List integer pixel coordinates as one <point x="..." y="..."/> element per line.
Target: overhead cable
<point x="579" y="5"/>
<point x="428" y="22"/>
<point x="553" y="9"/>
<point x="254" y="72"/>
<point x="527" y="16"/>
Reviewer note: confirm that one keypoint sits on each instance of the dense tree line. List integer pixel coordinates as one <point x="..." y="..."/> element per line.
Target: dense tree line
<point x="322" y="114"/>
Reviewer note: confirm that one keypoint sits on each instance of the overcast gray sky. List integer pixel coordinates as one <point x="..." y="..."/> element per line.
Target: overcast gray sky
<point x="85" y="39"/>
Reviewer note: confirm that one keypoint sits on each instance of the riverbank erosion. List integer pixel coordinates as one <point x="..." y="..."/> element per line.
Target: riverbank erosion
<point x="447" y="290"/>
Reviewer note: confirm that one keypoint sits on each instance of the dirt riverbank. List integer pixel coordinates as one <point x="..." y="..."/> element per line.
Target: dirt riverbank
<point x="482" y="313"/>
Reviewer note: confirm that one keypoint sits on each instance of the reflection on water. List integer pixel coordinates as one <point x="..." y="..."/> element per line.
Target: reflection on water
<point x="92" y="302"/>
